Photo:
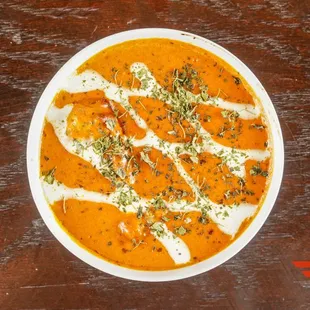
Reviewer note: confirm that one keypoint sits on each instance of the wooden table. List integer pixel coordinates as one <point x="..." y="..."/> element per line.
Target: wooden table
<point x="37" y="37"/>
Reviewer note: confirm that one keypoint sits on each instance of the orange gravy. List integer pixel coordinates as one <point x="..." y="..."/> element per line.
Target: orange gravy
<point x="125" y="238"/>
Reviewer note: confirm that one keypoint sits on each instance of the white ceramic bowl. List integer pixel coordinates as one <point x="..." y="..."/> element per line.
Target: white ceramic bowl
<point x="33" y="156"/>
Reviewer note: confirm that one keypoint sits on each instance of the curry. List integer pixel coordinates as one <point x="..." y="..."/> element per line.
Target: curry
<point x="155" y="154"/>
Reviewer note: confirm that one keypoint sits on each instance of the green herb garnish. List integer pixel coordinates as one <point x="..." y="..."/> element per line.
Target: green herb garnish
<point x="49" y="176"/>
<point x="256" y="170"/>
<point x="158" y="229"/>
<point x="180" y="231"/>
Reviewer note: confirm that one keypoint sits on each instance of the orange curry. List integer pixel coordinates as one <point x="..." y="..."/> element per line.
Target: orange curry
<point x="160" y="147"/>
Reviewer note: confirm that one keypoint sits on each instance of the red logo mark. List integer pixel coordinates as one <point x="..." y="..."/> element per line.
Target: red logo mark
<point x="303" y="265"/>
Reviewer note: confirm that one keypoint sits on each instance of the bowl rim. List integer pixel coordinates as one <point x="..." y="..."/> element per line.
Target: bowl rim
<point x="34" y="141"/>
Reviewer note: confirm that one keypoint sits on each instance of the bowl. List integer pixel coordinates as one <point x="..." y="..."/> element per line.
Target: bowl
<point x="33" y="156"/>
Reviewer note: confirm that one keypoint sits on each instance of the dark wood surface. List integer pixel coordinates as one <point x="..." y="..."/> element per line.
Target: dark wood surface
<point x="37" y="37"/>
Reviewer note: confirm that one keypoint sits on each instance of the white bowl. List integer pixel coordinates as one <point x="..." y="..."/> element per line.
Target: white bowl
<point x="33" y="156"/>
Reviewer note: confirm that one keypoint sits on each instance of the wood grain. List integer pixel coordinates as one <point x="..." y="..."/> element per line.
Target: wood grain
<point x="37" y="37"/>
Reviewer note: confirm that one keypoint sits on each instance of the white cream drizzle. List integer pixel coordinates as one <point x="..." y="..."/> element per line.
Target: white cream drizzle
<point x="91" y="80"/>
<point x="57" y="191"/>
<point x="58" y="118"/>
<point x="234" y="159"/>
<point x="176" y="247"/>
<point x="228" y="224"/>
